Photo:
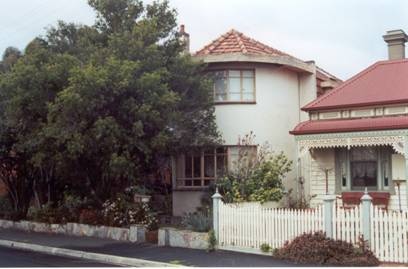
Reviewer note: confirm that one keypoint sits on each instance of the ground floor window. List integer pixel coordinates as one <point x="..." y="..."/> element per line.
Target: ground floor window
<point x="197" y="169"/>
<point x="364" y="167"/>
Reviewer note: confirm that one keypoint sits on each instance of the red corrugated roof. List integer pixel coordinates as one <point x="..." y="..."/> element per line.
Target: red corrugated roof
<point x="383" y="83"/>
<point x="350" y="125"/>
<point x="236" y="42"/>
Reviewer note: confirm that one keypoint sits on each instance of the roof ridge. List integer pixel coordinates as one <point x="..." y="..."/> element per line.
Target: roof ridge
<point x="216" y="41"/>
<point x="330" y="74"/>
<point x="242" y="43"/>
<point x="345" y="83"/>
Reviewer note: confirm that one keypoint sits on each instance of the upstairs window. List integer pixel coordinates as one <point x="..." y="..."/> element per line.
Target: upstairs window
<point x="234" y="86"/>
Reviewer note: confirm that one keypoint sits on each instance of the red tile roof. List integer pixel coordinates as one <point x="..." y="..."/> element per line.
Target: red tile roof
<point x="383" y="83"/>
<point x="350" y="125"/>
<point x="236" y="42"/>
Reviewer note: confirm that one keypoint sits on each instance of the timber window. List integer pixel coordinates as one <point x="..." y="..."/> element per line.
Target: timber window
<point x="234" y="86"/>
<point x="200" y="168"/>
<point x="364" y="167"/>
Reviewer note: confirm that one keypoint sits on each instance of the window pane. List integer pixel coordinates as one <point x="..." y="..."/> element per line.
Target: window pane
<point x="247" y="85"/>
<point x="248" y="97"/>
<point x="234" y="73"/>
<point x="197" y="182"/>
<point x="386" y="170"/>
<point x="220" y="86"/>
<point x="235" y="96"/>
<point x="221" y="97"/>
<point x="209" y="166"/>
<point x="197" y="166"/>
<point x="235" y="85"/>
<point x="221" y="165"/>
<point x="364" y="173"/>
<point x="188" y="171"/>
<point x="248" y="74"/>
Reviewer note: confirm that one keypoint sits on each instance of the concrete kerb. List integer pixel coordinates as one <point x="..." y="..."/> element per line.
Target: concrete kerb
<point x="104" y="258"/>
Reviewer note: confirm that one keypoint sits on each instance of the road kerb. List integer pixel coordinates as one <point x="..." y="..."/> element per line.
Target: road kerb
<point x="104" y="258"/>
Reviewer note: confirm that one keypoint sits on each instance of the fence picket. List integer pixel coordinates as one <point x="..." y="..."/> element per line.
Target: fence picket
<point x="249" y="225"/>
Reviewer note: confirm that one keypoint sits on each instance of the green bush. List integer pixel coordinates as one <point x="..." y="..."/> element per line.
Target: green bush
<point x="316" y="248"/>
<point x="197" y="222"/>
<point x="265" y="247"/>
<point x="212" y="241"/>
<point x="46" y="213"/>
<point x="256" y="176"/>
<point x="123" y="211"/>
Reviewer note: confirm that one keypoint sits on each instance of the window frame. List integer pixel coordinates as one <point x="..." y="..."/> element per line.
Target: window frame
<point x="181" y="182"/>
<point x="383" y="159"/>
<point x="241" y="101"/>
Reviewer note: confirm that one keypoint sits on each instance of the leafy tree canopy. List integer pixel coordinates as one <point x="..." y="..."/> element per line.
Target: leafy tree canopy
<point x="98" y="107"/>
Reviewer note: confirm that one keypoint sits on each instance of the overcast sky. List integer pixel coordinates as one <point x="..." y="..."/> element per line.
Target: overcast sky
<point x="342" y="36"/>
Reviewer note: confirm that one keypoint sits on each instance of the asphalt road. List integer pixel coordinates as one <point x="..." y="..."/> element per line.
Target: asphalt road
<point x="19" y="258"/>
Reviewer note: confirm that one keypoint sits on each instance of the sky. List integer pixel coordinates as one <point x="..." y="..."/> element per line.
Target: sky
<point x="341" y="36"/>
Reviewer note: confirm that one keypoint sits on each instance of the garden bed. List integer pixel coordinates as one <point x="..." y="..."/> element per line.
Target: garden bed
<point x="135" y="233"/>
<point x="182" y="238"/>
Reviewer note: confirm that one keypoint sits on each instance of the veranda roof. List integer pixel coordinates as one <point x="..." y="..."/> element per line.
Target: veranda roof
<point x="350" y="125"/>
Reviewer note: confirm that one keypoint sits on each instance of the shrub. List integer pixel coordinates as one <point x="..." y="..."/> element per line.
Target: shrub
<point x="122" y="212"/>
<point x="316" y="248"/>
<point x="46" y="213"/>
<point x="89" y="216"/>
<point x="212" y="241"/>
<point x="197" y="222"/>
<point x="256" y="176"/>
<point x="265" y="247"/>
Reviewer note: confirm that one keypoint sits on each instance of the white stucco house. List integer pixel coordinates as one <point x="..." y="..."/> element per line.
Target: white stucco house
<point x="256" y="88"/>
<point x="356" y="135"/>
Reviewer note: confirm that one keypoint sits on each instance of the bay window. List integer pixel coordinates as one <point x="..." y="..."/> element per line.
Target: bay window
<point x="363" y="167"/>
<point x="234" y="86"/>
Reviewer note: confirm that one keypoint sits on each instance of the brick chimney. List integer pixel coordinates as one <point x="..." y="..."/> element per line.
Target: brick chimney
<point x="396" y="44"/>
<point x="184" y="39"/>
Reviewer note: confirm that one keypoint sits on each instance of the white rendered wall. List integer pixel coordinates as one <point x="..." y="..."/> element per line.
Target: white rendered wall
<point x="279" y="95"/>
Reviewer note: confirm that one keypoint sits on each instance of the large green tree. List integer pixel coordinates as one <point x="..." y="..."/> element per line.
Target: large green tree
<point x="97" y="108"/>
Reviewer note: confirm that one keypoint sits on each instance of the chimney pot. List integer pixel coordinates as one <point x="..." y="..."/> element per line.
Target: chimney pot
<point x="396" y="40"/>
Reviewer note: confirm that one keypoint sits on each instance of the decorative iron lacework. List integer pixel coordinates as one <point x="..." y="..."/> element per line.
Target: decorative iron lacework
<point x="396" y="139"/>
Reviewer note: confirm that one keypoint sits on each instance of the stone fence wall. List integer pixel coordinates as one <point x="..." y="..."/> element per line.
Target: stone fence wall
<point x="136" y="233"/>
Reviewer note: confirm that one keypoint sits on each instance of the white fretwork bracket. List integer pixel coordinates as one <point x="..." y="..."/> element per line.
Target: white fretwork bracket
<point x="395" y="139"/>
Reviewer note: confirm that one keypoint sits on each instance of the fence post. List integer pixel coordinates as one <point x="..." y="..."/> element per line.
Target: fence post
<point x="328" y="201"/>
<point x="216" y="213"/>
<point x="366" y="215"/>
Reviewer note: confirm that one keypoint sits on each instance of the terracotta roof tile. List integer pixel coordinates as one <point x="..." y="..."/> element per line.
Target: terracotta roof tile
<point x="236" y="42"/>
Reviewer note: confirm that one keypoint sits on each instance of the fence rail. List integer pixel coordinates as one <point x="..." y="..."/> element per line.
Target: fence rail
<point x="246" y="226"/>
<point x="389" y="235"/>
<point x="249" y="225"/>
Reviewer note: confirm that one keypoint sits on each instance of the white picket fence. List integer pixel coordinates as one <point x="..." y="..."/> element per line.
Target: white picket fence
<point x="249" y="225"/>
<point x="246" y="226"/>
<point x="347" y="224"/>
<point x="389" y="235"/>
